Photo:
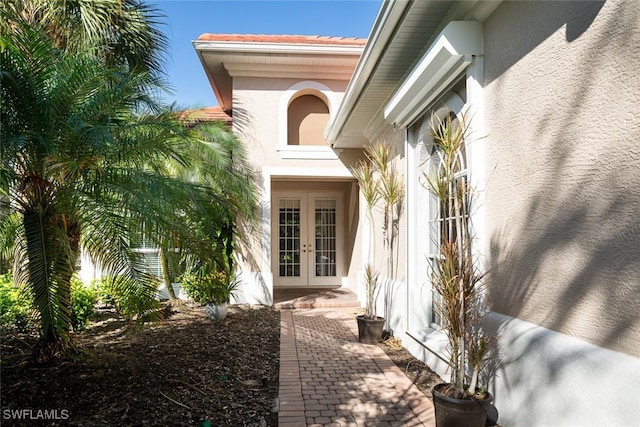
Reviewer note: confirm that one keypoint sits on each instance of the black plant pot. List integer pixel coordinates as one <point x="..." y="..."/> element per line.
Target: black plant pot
<point x="370" y="330"/>
<point x="452" y="412"/>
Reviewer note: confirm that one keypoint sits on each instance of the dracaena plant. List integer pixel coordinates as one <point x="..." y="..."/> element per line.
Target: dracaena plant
<point x="364" y="174"/>
<point x="380" y="182"/>
<point x="456" y="278"/>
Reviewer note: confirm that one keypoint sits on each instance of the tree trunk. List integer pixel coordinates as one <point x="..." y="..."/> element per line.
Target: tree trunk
<point x="166" y="275"/>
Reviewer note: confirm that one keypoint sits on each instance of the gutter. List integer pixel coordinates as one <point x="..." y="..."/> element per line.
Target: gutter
<point x="391" y="13"/>
<point x="276" y="48"/>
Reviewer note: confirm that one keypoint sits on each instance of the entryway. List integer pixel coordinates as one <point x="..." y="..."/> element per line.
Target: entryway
<point x="289" y="298"/>
<point x="307" y="244"/>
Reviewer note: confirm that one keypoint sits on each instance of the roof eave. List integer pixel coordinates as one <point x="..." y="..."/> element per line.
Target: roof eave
<point x="343" y="130"/>
<point x="220" y="79"/>
<point x="276" y="48"/>
<point x="389" y="16"/>
<point x="218" y="91"/>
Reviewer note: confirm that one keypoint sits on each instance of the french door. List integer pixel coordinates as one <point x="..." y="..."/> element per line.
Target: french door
<point x="306" y="239"/>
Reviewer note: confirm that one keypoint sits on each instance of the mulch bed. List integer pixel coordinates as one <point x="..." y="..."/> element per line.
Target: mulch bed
<point x="186" y="370"/>
<point x="417" y="371"/>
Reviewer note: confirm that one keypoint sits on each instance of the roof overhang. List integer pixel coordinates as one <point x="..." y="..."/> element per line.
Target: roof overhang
<point x="224" y="60"/>
<point x="402" y="37"/>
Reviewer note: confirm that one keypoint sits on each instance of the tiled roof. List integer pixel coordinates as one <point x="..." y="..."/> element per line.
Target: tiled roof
<point x="289" y="39"/>
<point x="208" y="114"/>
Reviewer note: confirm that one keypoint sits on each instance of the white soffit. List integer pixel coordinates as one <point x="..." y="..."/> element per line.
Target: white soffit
<point x="223" y="60"/>
<point x="448" y="56"/>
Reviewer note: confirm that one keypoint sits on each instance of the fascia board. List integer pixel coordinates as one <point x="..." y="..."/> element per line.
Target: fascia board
<point x="216" y="89"/>
<point x="276" y="48"/>
<point x="389" y="17"/>
<point x="310" y="71"/>
<point x="448" y="56"/>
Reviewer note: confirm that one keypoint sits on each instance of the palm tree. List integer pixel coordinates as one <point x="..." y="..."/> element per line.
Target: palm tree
<point x="81" y="159"/>
<point x="219" y="163"/>
<point x="121" y="32"/>
<point x="232" y="176"/>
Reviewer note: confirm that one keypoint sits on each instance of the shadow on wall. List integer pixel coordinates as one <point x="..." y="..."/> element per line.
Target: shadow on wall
<point x="251" y="254"/>
<point x="250" y="251"/>
<point x="565" y="255"/>
<point x="595" y="289"/>
<point x="576" y="16"/>
<point x="537" y="361"/>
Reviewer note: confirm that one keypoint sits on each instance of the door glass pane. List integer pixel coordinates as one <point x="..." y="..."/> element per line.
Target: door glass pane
<point x="289" y="239"/>
<point x="325" y="238"/>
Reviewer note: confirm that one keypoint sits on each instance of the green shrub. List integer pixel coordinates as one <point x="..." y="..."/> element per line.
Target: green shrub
<point x="134" y="301"/>
<point x="208" y="286"/>
<point x="83" y="299"/>
<point x="15" y="306"/>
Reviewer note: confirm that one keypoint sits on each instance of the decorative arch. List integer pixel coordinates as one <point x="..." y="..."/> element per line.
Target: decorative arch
<point x="317" y="102"/>
<point x="451" y="104"/>
<point x="307" y="116"/>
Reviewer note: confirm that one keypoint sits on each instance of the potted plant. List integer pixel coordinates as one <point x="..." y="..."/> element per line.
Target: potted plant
<point x="370" y="326"/>
<point x="379" y="181"/>
<point x="457" y="283"/>
<point x="211" y="287"/>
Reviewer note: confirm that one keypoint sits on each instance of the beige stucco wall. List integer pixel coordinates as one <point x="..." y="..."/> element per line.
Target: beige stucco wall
<point x="307" y="117"/>
<point x="392" y="303"/>
<point x="256" y="118"/>
<point x="395" y="137"/>
<point x="562" y="100"/>
<point x="260" y="120"/>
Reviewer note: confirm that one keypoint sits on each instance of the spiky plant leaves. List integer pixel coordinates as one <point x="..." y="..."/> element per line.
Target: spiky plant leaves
<point x="372" y="286"/>
<point x="455" y="276"/>
<point x="363" y="172"/>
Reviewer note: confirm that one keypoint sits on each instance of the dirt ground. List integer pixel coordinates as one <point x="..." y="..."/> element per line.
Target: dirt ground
<point x="416" y="370"/>
<point x="186" y="370"/>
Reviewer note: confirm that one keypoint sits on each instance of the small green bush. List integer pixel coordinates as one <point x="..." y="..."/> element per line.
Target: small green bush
<point x="83" y="299"/>
<point x="134" y="301"/>
<point x="208" y="286"/>
<point x="15" y="306"/>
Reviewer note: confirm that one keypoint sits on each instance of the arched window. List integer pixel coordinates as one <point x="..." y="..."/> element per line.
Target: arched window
<point x="426" y="216"/>
<point x="442" y="218"/>
<point x="307" y="117"/>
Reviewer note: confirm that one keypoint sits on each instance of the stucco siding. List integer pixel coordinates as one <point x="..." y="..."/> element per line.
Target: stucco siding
<point x="258" y="108"/>
<point x="257" y="114"/>
<point x="391" y="302"/>
<point x="562" y="102"/>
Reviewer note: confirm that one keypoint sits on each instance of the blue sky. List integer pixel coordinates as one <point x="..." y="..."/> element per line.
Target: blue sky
<point x="187" y="19"/>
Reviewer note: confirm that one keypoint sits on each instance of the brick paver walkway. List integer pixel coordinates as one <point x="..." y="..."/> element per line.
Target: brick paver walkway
<point x="327" y="378"/>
